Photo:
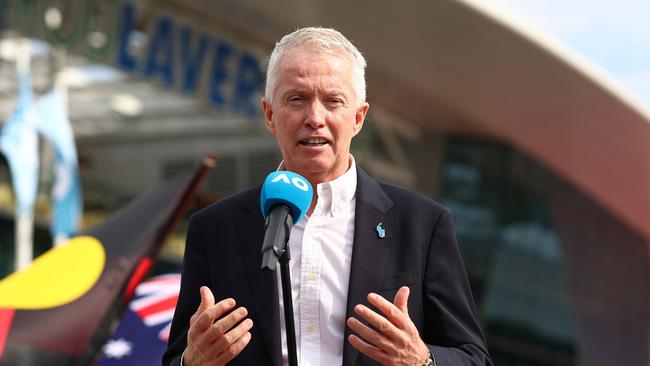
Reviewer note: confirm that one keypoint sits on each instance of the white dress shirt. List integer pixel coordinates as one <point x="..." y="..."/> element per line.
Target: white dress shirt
<point x="321" y="252"/>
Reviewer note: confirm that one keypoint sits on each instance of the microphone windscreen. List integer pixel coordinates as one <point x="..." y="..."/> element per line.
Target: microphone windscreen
<point x="289" y="188"/>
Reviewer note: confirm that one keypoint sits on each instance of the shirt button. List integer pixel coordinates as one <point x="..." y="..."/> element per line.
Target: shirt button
<point x="310" y="327"/>
<point x="311" y="276"/>
<point x="335" y="208"/>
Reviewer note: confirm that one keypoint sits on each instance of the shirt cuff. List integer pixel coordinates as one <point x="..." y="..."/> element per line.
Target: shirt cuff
<point x="433" y="358"/>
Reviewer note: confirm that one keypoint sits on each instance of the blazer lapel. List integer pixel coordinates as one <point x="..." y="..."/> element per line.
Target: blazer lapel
<point x="262" y="283"/>
<point x="369" y="249"/>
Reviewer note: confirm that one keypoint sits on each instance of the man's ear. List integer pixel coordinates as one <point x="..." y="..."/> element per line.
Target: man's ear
<point x="267" y="108"/>
<point x="360" y="117"/>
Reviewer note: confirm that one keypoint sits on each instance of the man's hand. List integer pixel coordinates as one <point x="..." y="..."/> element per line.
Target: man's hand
<point x="395" y="339"/>
<point x="210" y="341"/>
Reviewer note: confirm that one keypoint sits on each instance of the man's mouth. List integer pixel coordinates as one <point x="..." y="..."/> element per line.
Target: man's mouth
<point x="313" y="142"/>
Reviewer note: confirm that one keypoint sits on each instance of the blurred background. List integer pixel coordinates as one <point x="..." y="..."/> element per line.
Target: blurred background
<point x="529" y="120"/>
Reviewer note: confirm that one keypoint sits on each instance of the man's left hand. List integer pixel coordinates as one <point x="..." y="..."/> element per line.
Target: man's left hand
<point x="394" y="340"/>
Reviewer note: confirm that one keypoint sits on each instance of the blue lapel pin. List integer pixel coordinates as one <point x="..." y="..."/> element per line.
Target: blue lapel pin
<point x="381" y="232"/>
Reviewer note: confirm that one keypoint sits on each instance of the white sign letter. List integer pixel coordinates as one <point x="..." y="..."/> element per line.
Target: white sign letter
<point x="301" y="184"/>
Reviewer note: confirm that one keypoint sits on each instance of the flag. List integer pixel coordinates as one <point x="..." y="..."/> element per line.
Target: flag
<point x="142" y="335"/>
<point x="53" y="123"/>
<point x="74" y="333"/>
<point x="19" y="145"/>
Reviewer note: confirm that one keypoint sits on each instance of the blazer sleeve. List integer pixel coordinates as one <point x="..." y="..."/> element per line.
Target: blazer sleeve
<point x="451" y="328"/>
<point x="195" y="274"/>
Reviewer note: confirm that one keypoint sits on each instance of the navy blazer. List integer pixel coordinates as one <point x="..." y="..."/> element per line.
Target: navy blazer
<point x="419" y="250"/>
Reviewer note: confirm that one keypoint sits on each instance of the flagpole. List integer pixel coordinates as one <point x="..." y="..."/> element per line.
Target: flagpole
<point x="61" y="86"/>
<point x="60" y="81"/>
<point x="24" y="236"/>
<point x="24" y="217"/>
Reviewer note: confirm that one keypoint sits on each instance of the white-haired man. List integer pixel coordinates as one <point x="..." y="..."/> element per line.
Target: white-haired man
<point x="376" y="272"/>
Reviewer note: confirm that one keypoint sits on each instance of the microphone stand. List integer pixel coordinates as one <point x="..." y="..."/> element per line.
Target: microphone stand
<point x="285" y="276"/>
<point x="275" y="248"/>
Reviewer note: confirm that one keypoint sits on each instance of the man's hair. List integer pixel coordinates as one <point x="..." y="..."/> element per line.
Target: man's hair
<point x="324" y="40"/>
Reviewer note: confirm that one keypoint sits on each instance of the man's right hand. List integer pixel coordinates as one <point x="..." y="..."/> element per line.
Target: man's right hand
<point x="210" y="341"/>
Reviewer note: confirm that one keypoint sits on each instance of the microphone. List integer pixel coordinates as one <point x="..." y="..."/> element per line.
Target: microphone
<point x="285" y="198"/>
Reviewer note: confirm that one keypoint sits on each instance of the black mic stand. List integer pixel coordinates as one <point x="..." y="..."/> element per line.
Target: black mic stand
<point x="275" y="248"/>
<point x="285" y="276"/>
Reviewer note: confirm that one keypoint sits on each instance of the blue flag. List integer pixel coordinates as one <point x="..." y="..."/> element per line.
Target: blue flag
<point x="19" y="144"/>
<point x="53" y="123"/>
<point x="141" y="337"/>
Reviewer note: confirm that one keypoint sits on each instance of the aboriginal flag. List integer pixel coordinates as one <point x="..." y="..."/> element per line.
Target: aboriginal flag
<point x="61" y="310"/>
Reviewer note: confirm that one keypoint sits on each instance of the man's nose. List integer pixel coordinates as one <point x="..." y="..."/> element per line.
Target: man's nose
<point x="316" y="114"/>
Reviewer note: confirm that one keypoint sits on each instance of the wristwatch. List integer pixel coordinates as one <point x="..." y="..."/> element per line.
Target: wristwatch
<point x="430" y="361"/>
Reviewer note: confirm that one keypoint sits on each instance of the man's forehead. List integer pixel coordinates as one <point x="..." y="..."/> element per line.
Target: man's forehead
<point x="298" y="78"/>
<point x="301" y="69"/>
<point x="297" y="56"/>
<point x="313" y="63"/>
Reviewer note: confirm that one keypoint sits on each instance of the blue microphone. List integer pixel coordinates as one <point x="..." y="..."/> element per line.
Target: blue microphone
<point x="285" y="198"/>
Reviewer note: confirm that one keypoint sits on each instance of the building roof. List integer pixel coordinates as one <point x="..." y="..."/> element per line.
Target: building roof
<point x="468" y="67"/>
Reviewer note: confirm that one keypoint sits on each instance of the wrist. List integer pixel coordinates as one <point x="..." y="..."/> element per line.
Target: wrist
<point x="430" y="361"/>
<point x="187" y="359"/>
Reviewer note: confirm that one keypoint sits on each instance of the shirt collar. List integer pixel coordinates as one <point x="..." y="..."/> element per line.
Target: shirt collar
<point x="344" y="187"/>
<point x="337" y="195"/>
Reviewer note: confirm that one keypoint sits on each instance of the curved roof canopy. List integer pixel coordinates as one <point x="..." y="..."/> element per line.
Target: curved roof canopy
<point x="465" y="67"/>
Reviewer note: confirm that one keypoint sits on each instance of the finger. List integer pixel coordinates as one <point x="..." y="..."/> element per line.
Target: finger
<point x="234" y="349"/>
<point x="391" y="324"/>
<point x="383" y="325"/>
<point x="207" y="300"/>
<point x="371" y="336"/>
<point x="368" y="350"/>
<point x="233" y="336"/>
<point x="392" y="313"/>
<point x="207" y="318"/>
<point x="401" y="299"/>
<point x="224" y="324"/>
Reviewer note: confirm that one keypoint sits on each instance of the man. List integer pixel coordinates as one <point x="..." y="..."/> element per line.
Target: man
<point x="376" y="272"/>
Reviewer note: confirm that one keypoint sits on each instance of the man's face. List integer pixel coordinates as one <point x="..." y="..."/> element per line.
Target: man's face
<point x="314" y="113"/>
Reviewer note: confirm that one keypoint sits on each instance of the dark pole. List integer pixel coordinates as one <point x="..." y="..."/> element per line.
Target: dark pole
<point x="288" y="307"/>
<point x="276" y="249"/>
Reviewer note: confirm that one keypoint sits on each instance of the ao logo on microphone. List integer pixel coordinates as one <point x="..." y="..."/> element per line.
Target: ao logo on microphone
<point x="296" y="181"/>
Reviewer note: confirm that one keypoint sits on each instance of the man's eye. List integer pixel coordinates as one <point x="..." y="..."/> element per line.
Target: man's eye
<point x="295" y="98"/>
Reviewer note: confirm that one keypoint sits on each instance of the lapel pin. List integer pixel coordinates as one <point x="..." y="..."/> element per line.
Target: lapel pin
<point x="381" y="232"/>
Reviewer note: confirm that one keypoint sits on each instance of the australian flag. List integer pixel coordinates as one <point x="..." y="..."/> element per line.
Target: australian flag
<point x="141" y="337"/>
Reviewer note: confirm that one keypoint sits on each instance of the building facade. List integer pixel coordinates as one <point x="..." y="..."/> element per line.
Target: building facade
<point x="541" y="159"/>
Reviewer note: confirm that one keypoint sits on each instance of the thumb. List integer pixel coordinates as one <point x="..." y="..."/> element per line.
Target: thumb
<point x="401" y="299"/>
<point x="207" y="300"/>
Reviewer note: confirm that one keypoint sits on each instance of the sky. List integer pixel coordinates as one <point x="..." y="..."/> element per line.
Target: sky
<point x="613" y="34"/>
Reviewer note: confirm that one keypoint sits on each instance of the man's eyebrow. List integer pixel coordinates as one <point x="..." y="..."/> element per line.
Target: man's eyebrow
<point x="293" y="91"/>
<point x="291" y="94"/>
<point x="333" y="92"/>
